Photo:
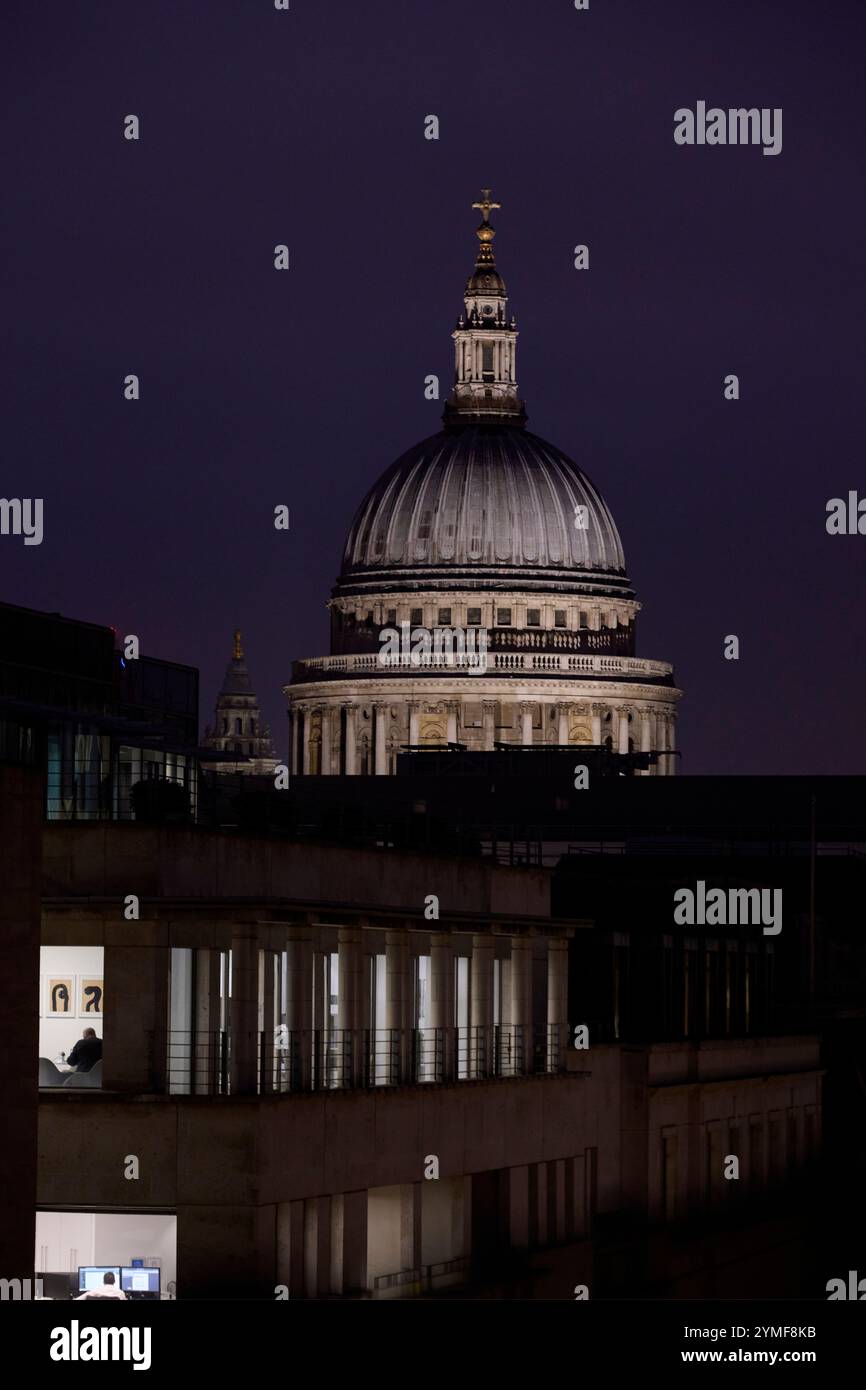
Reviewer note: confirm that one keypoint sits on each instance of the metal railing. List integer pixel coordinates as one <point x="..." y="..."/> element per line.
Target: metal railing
<point x="426" y="1279"/>
<point x="285" y="1060"/>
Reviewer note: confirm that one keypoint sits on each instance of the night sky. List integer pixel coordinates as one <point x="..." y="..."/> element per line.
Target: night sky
<point x="258" y="387"/>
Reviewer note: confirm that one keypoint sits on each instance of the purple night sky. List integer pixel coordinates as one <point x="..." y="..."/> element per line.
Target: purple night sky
<point x="258" y="387"/>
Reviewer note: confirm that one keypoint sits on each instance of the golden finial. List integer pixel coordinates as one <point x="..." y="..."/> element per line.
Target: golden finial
<point x="485" y="205"/>
<point x="238" y="653"/>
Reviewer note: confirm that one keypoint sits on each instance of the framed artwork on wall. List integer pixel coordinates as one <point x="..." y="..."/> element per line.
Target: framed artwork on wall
<point x="59" y="996"/>
<point x="90" y="993"/>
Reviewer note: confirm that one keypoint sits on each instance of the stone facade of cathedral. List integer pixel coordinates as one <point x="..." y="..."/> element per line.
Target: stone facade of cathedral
<point x="238" y="726"/>
<point x="483" y="596"/>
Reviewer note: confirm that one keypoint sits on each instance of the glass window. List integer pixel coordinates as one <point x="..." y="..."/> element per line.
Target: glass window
<point x="559" y="618"/>
<point x="473" y="617"/>
<point x="533" y="617"/>
<point x="239" y="726"/>
<point x="503" y="617"/>
<point x="391" y="617"/>
<point x="445" y="616"/>
<point x="584" y="619"/>
<point x="417" y="618"/>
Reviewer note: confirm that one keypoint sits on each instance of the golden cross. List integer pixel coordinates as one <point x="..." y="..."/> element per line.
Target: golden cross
<point x="238" y="650"/>
<point x="485" y="205"/>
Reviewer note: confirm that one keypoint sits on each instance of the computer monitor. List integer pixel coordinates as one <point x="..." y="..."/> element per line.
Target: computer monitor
<point x="56" y="1285"/>
<point x="92" y="1277"/>
<point x="139" y="1283"/>
<point x="137" y="1264"/>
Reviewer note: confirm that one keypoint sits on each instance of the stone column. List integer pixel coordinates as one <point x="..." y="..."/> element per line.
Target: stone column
<point x="351" y="755"/>
<point x="672" y="743"/>
<point x="526" y="722"/>
<point x="244" y="1011"/>
<point x="645" y="737"/>
<point x="562" y="726"/>
<point x="521" y="1002"/>
<point x="557" y="1002"/>
<point x="305" y="751"/>
<point x="597" y="711"/>
<point x="488" y="715"/>
<point x="481" y="1006"/>
<point x="398" y="1004"/>
<point x="662" y="741"/>
<point x="380" y="711"/>
<point x="325" y="762"/>
<point x="622" y="712"/>
<point x="451" y="710"/>
<point x="350" y="1010"/>
<point x="442" y="1002"/>
<point x="414" y="723"/>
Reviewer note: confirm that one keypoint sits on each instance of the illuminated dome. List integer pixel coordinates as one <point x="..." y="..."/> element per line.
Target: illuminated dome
<point x="484" y="502"/>
<point x="482" y="598"/>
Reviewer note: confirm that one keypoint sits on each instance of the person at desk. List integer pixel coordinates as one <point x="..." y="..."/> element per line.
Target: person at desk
<point x="86" y="1052"/>
<point x="109" y="1288"/>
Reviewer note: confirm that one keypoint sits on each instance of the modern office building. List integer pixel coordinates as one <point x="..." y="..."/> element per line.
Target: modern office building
<point x="363" y="1072"/>
<point x="102" y="723"/>
<point x="483" y="595"/>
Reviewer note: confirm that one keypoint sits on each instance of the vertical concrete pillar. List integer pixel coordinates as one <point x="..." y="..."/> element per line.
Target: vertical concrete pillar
<point x="410" y="1226"/>
<point x="325" y="763"/>
<point x="398" y="1005"/>
<point x="672" y="743"/>
<point x="355" y="1243"/>
<point x="521" y="1003"/>
<point x="351" y="754"/>
<point x="442" y="1002"/>
<point x="299" y="1006"/>
<point x="267" y="1006"/>
<point x="135" y="1031"/>
<point x="21" y="791"/>
<point x="380" y="713"/>
<point x="557" y="1002"/>
<point x="244" y="1012"/>
<point x="481" y="1006"/>
<point x="349" y="1015"/>
<point x="323" y="1246"/>
<point x="206" y="1022"/>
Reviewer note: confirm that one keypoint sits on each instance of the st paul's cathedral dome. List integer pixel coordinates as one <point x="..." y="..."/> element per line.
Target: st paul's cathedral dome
<point x="487" y="532"/>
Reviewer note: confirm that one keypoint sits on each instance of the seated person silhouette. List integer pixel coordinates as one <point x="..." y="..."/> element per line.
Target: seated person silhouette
<point x="86" y="1052"/>
<point x="109" y="1289"/>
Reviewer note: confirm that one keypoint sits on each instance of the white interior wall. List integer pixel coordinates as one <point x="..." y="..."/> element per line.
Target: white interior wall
<point x="121" y="1237"/>
<point x="61" y="1034"/>
<point x="67" y="1239"/>
<point x="383" y="1231"/>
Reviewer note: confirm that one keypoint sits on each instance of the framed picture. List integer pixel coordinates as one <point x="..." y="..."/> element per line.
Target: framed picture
<point x="90" y="996"/>
<point x="60" y="996"/>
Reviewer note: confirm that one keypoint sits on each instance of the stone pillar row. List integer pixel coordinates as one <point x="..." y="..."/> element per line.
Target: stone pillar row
<point x="650" y="730"/>
<point x="339" y="1056"/>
